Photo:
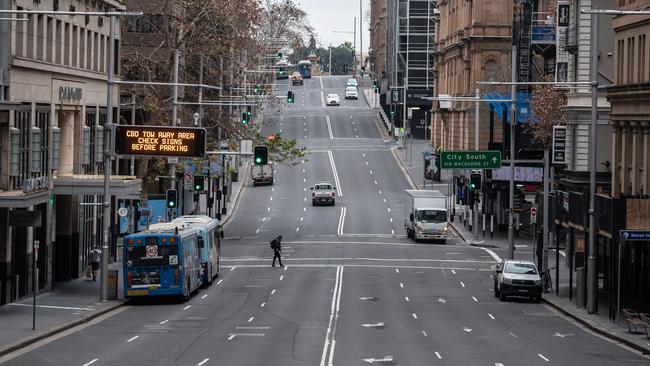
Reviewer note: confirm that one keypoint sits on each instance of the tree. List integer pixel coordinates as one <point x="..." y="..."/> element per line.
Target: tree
<point x="547" y="110"/>
<point x="312" y="43"/>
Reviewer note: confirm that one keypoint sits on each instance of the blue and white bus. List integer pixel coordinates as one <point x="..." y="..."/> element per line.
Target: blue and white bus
<point x="162" y="261"/>
<point x="304" y="68"/>
<point x="209" y="243"/>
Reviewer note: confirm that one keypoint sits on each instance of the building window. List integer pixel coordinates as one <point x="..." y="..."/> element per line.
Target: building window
<point x="60" y="49"/>
<point x="49" y="50"/>
<point x="620" y="56"/>
<point x="630" y="61"/>
<point x="22" y="123"/>
<point x="89" y="50"/>
<point x="67" y="44"/>
<point x="643" y="67"/>
<point x="75" y="46"/>
<point x="43" y="122"/>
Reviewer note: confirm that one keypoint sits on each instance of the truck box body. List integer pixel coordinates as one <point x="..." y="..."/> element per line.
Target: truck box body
<point x="425" y="215"/>
<point x="262" y="174"/>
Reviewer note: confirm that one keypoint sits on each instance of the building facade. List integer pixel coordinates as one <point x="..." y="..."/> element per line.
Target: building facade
<point x="378" y="37"/>
<point x="52" y="113"/>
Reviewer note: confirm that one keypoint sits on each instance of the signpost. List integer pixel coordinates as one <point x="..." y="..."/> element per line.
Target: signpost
<point x="533" y="215"/>
<point x="160" y="141"/>
<point x="636" y="235"/>
<point x="559" y="145"/>
<point x="488" y="159"/>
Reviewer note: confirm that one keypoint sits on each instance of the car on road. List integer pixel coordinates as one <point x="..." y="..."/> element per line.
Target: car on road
<point x="296" y="79"/>
<point x="333" y="99"/>
<point x="352" y="82"/>
<point x="517" y="278"/>
<point x="351" y="92"/>
<point x="323" y="193"/>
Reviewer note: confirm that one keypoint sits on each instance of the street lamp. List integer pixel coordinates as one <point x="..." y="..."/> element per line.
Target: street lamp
<point x="592" y="283"/>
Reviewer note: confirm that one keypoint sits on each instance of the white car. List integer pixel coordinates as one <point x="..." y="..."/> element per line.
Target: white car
<point x="333" y="99"/>
<point x="517" y="278"/>
<point x="352" y="82"/>
<point x="351" y="93"/>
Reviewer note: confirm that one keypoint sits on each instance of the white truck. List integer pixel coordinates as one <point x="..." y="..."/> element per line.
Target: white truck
<point x="262" y="174"/>
<point x="425" y="215"/>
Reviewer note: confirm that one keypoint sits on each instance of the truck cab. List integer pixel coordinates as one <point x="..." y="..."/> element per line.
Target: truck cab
<point x="427" y="217"/>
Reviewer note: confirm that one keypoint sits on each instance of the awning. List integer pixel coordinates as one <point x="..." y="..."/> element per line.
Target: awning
<point x="501" y="108"/>
<point x="18" y="199"/>
<point x="120" y="186"/>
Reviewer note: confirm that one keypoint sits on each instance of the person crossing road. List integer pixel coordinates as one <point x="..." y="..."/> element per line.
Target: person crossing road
<point x="276" y="245"/>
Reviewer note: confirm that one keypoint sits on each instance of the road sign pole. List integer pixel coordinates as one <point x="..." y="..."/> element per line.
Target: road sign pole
<point x="35" y="247"/>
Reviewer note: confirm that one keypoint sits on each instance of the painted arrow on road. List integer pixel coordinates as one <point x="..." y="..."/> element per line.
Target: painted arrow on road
<point x="562" y="335"/>
<point x="467" y="329"/>
<point x="379" y="360"/>
<point x="378" y="325"/>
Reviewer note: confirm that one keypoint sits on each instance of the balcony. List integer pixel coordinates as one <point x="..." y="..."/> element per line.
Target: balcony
<point x="542" y="29"/>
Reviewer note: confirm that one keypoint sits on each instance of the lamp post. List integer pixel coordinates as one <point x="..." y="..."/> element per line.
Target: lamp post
<point x="592" y="269"/>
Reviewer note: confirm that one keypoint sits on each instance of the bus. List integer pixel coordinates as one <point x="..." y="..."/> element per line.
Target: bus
<point x="209" y="244"/>
<point x="282" y="70"/>
<point x="304" y="67"/>
<point x="162" y="261"/>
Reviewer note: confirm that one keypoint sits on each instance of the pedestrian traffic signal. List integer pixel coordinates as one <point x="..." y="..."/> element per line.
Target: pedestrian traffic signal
<point x="244" y="118"/>
<point x="172" y="198"/>
<point x="199" y="183"/>
<point x="289" y="96"/>
<point x="475" y="181"/>
<point x="260" y="155"/>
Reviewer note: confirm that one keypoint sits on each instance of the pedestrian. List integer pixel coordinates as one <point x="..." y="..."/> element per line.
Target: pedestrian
<point x="94" y="256"/>
<point x="276" y="245"/>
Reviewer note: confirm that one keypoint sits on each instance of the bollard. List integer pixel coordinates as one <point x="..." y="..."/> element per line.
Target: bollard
<point x="517" y="224"/>
<point x="471" y="217"/>
<point x="484" y="225"/>
<point x="491" y="226"/>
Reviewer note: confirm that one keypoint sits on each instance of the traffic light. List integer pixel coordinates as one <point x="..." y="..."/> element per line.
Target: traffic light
<point x="244" y="118"/>
<point x="279" y="55"/>
<point x="199" y="183"/>
<point x="375" y="86"/>
<point x="345" y="68"/>
<point x="475" y="181"/>
<point x="257" y="88"/>
<point x="248" y="112"/>
<point x="289" y="96"/>
<point x="363" y="69"/>
<point x="260" y="155"/>
<point x="172" y="198"/>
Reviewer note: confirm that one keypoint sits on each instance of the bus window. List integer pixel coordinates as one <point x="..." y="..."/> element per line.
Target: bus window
<point x="201" y="243"/>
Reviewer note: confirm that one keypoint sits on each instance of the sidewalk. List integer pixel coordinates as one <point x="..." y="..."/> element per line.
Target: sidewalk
<point x="598" y="323"/>
<point x="74" y="302"/>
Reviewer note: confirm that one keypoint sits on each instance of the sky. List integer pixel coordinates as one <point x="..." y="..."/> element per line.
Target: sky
<point x="336" y="15"/>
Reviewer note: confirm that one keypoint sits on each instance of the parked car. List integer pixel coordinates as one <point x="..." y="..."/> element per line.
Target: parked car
<point x="296" y="79"/>
<point x="351" y="93"/>
<point x="352" y="82"/>
<point x="323" y="193"/>
<point x="517" y="278"/>
<point x="333" y="99"/>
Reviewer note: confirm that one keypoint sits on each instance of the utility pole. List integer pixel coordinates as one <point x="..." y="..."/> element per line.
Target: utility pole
<point x="592" y="269"/>
<point x="132" y="164"/>
<point x="513" y="122"/>
<point x="330" y="59"/>
<point x="172" y="168"/>
<point x="361" y="37"/>
<point x="200" y="122"/>
<point x="476" y="147"/>
<point x="354" y="45"/>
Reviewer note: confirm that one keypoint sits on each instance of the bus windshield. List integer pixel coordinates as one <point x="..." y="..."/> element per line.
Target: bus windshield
<point x="136" y="256"/>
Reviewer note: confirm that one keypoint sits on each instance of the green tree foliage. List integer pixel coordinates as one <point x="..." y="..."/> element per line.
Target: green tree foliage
<point x="341" y="55"/>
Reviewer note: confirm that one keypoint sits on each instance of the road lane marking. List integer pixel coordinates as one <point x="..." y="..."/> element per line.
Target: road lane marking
<point x="321" y="82"/>
<point x="281" y="277"/>
<point x="491" y="316"/>
<point x="380" y="192"/>
<point x="329" y="127"/>
<point x="341" y="221"/>
<point x="438" y="355"/>
<point x="164" y="321"/>
<point x="462" y="284"/>
<point x="219" y="283"/>
<point x="91" y="362"/>
<point x="397" y="270"/>
<point x="336" y="174"/>
<point x="187" y="307"/>
<point x="542" y="357"/>
<point x="263" y="305"/>
<point x="52" y="307"/>
<point x="401" y="285"/>
<point x="493" y="254"/>
<point x="376" y="182"/>
<point x="385" y="200"/>
<point x="132" y="339"/>
<point x="273" y="292"/>
<point x="233" y="268"/>
<point x="265" y="328"/>
<point x="268" y="209"/>
<point x="251" y="319"/>
<point x="204" y="296"/>
<point x="298" y="228"/>
<point x="203" y="362"/>
<point x="302" y="218"/>
<point x="322" y="99"/>
<point x="424" y="333"/>
<point x="453" y="271"/>
<point x="474" y="298"/>
<point x="513" y="335"/>
<point x="330" y="341"/>
<point x="406" y="298"/>
<point x="285" y="267"/>
<point x="415" y="316"/>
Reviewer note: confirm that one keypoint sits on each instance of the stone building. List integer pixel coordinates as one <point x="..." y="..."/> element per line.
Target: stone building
<point x="52" y="113"/>
<point x="378" y="37"/>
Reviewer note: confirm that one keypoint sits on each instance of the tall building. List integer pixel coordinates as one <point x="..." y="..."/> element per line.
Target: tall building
<point x="409" y="77"/>
<point x="53" y="97"/>
<point x="378" y="37"/>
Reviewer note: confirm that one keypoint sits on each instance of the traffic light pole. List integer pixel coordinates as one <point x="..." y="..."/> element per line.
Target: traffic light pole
<point x="172" y="168"/>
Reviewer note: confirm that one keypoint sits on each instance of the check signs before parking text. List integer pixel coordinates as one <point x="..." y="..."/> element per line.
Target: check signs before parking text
<point x="160" y="141"/>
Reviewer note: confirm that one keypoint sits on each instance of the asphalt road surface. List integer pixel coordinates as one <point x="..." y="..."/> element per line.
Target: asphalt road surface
<point x="354" y="289"/>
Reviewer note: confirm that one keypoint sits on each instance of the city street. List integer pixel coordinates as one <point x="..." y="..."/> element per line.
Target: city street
<point x="353" y="290"/>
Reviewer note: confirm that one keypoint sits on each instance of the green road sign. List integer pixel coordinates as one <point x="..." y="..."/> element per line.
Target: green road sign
<point x="470" y="159"/>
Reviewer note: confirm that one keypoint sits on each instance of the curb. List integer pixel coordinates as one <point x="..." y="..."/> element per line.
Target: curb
<point x="596" y="329"/>
<point x="236" y="200"/>
<point x="406" y="172"/>
<point x="453" y="227"/>
<point x="53" y="331"/>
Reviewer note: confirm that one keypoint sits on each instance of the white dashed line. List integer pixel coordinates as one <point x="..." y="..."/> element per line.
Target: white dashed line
<point x="91" y="362"/>
<point x="401" y="285"/>
<point x="453" y="271"/>
<point x="164" y="321"/>
<point x="438" y="355"/>
<point x="231" y="337"/>
<point x="392" y="232"/>
<point x="204" y="296"/>
<point x="251" y="319"/>
<point x="233" y="268"/>
<point x="132" y="339"/>
<point x="384" y="200"/>
<point x="415" y="316"/>
<point x="263" y="305"/>
<point x="424" y="333"/>
<point x="302" y="218"/>
<point x="462" y="284"/>
<point x="218" y="283"/>
<point x="474" y="298"/>
<point x="542" y="357"/>
<point x="298" y="228"/>
<point x="513" y="335"/>
<point x="268" y="209"/>
<point x="187" y="307"/>
<point x="388" y="209"/>
<point x="380" y="192"/>
<point x="273" y="292"/>
<point x="376" y="182"/>
<point x="407" y="299"/>
<point x="285" y="267"/>
<point x="397" y="270"/>
<point x="491" y="316"/>
<point x="371" y="172"/>
<point x="203" y="362"/>
<point x="281" y="277"/>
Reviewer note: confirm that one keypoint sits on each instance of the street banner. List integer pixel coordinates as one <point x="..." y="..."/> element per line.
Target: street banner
<point x="432" y="166"/>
